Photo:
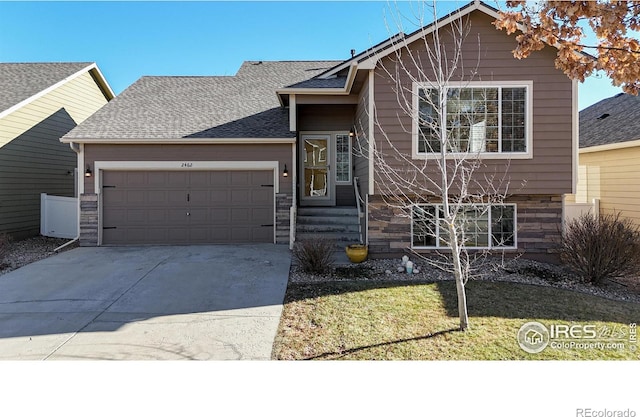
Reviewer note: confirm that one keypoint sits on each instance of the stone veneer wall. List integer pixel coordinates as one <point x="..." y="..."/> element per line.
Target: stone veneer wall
<point x="283" y="217"/>
<point x="89" y="219"/>
<point x="539" y="222"/>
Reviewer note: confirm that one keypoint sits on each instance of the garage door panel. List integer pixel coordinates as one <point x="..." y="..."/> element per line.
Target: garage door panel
<point x="199" y="179"/>
<point x="156" y="196"/>
<point x="263" y="196"/>
<point x="176" y="196"/>
<point x="219" y="178"/>
<point x="241" y="216"/>
<point x="177" y="216"/>
<point x="177" y="235"/>
<point x="261" y="215"/>
<point x="156" y="179"/>
<point x="151" y="207"/>
<point x="200" y="197"/>
<point x="219" y="197"/>
<point x="135" y="197"/>
<point x="198" y="216"/>
<point x="220" y="215"/>
<point x="262" y="177"/>
<point x="220" y="234"/>
<point x="114" y="216"/>
<point x="157" y="216"/>
<point x="240" y="197"/>
<point x="137" y="215"/>
<point x="178" y="179"/>
<point x="114" y="196"/>
<point x="240" y="178"/>
<point x="136" y="179"/>
<point x="262" y="234"/>
<point x="113" y="177"/>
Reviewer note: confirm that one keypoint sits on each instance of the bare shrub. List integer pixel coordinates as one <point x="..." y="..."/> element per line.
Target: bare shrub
<point x="314" y="255"/>
<point x="602" y="248"/>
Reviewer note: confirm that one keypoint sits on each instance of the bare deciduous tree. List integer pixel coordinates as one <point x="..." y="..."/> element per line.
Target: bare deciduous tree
<point x="448" y="193"/>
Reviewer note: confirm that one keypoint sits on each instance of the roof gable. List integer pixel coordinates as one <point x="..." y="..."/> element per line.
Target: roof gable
<point x="612" y="120"/>
<point x="21" y="83"/>
<point x="368" y="58"/>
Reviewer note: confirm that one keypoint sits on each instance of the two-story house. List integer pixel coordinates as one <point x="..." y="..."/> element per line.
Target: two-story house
<point x="271" y="153"/>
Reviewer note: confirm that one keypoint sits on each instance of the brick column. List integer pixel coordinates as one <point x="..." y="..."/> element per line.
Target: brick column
<point x="283" y="217"/>
<point x="89" y="219"/>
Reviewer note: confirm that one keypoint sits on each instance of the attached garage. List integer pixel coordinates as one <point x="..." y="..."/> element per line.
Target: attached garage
<point x="187" y="207"/>
<point x="192" y="160"/>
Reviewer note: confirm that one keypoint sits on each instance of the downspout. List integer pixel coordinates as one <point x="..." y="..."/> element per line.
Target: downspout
<point x="76" y="148"/>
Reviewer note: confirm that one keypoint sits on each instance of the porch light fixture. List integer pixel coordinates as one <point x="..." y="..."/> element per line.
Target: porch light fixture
<point x="352" y="132"/>
<point x="88" y="172"/>
<point x="285" y="173"/>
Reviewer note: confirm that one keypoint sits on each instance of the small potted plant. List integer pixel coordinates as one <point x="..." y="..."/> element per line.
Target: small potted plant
<point x="357" y="253"/>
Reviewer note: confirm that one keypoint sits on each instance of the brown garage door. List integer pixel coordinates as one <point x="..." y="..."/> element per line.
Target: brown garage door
<point x="175" y="207"/>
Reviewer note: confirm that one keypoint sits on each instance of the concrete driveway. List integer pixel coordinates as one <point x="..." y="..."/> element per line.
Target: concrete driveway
<point x="134" y="303"/>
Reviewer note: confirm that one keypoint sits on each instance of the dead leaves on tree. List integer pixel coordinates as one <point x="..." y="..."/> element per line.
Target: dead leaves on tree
<point x="558" y="23"/>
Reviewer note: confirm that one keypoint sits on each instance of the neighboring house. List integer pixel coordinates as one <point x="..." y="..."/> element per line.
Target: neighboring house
<point x="39" y="103"/>
<point x="609" y="157"/>
<point x="229" y="159"/>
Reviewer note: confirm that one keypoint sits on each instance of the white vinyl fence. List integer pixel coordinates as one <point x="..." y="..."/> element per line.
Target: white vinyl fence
<point x="58" y="216"/>
<point x="575" y="210"/>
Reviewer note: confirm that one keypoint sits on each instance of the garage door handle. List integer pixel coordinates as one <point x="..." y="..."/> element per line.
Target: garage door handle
<point x="266" y="225"/>
<point x="188" y="214"/>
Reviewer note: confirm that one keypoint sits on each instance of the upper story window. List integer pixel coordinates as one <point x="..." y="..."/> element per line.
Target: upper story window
<point x="488" y="119"/>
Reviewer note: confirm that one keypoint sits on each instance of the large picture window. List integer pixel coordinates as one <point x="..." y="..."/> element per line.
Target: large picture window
<point x="489" y="120"/>
<point x="485" y="226"/>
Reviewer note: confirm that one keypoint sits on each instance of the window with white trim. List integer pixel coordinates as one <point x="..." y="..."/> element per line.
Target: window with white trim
<point x="485" y="226"/>
<point x="479" y="119"/>
<point x="343" y="158"/>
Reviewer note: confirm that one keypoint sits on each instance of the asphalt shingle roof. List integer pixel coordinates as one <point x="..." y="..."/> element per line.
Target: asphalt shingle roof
<point x="336" y="82"/>
<point x="612" y="120"/>
<point x="241" y="106"/>
<point x="19" y="81"/>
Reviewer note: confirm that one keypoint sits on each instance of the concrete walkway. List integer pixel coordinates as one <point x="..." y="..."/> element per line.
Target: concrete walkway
<point x="188" y="302"/>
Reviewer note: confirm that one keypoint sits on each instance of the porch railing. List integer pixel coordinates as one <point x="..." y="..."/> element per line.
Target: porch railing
<point x="359" y="203"/>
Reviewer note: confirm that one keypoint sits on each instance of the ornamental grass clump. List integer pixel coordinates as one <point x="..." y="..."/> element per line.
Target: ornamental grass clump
<point x="600" y="249"/>
<point x="314" y="256"/>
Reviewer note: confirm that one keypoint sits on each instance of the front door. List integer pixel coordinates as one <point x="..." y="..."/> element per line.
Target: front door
<point x="316" y="181"/>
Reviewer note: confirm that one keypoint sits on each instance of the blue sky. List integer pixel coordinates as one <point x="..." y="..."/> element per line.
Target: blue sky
<point x="132" y="39"/>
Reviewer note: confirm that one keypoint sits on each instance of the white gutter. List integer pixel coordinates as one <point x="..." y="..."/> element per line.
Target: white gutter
<point x="611" y="146"/>
<point x="78" y="150"/>
<point x="180" y="141"/>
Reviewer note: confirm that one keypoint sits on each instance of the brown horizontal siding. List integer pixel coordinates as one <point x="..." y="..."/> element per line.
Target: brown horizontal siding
<point x="322" y="117"/>
<point x="550" y="169"/>
<point x="244" y="152"/>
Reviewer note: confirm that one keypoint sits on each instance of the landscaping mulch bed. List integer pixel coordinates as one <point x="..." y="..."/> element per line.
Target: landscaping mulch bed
<point x="518" y="270"/>
<point x="26" y="251"/>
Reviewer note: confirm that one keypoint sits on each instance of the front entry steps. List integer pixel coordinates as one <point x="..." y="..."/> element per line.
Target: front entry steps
<point x="340" y="224"/>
